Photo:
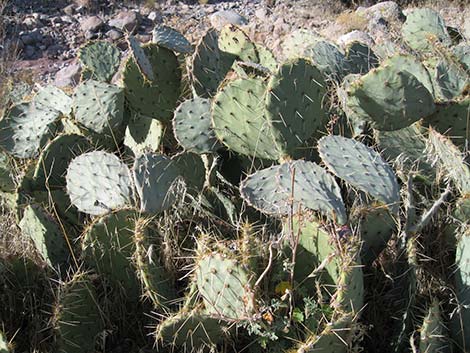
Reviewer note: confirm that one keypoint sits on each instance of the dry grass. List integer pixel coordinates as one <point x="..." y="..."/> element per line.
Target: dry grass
<point x="351" y="21"/>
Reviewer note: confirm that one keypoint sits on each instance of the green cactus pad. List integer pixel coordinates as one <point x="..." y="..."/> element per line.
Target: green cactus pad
<point x="140" y="58"/>
<point x="391" y="98"/>
<point x="7" y="173"/>
<point x="266" y="58"/>
<point x="46" y="236"/>
<point x="433" y="335"/>
<point x="461" y="333"/>
<point x="362" y="167"/>
<point x="450" y="80"/>
<point x="26" y="127"/>
<point x="108" y="247"/>
<point x="407" y="148"/>
<point x="239" y="120"/>
<point x="462" y="54"/>
<point x="209" y="65"/>
<point x="234" y="41"/>
<point x="56" y="157"/>
<point x="143" y="134"/>
<point x="451" y="118"/>
<point x="300" y="43"/>
<point x="349" y="296"/>
<point x="270" y="190"/>
<point x="192" y="169"/>
<point x="375" y="226"/>
<point x="54" y="98"/>
<point x="76" y="318"/>
<point x="329" y="59"/>
<point x="155" y="178"/>
<point x="333" y="339"/>
<point x="192" y="126"/>
<point x="449" y="157"/>
<point x="156" y="280"/>
<point x="99" y="106"/>
<point x="170" y="38"/>
<point x="156" y="99"/>
<point x="294" y="102"/>
<point x="423" y="28"/>
<point x="360" y="59"/>
<point x="98" y="182"/>
<point x="412" y="65"/>
<point x="224" y="286"/>
<point x="191" y="331"/>
<point x="100" y="59"/>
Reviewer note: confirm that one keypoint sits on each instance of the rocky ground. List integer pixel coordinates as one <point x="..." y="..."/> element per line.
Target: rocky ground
<point x="47" y="34"/>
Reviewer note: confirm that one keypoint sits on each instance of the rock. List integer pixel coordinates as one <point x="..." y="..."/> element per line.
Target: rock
<point x="69" y="9"/>
<point x="68" y="75"/>
<point x="114" y="34"/>
<point x="261" y="13"/>
<point x="155" y="16"/>
<point x="144" y="38"/>
<point x="29" y="52"/>
<point x="54" y="50"/>
<point x="466" y="28"/>
<point x="355" y="36"/>
<point x="32" y="22"/>
<point x="225" y="17"/>
<point x="32" y="38"/>
<point x="125" y="21"/>
<point x="91" y="24"/>
<point x="387" y="10"/>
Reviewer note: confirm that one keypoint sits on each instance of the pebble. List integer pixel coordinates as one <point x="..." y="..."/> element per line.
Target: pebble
<point x="91" y="24"/>
<point x="221" y="18"/>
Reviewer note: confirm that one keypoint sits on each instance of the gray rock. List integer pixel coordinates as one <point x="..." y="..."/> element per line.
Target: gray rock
<point x="29" y="52"/>
<point x="114" y="34"/>
<point x="69" y="10"/>
<point x="68" y="75"/>
<point x="386" y="10"/>
<point x="225" y="17"/>
<point x="262" y="13"/>
<point x="32" y="38"/>
<point x="356" y="36"/>
<point x="32" y="22"/>
<point x="91" y="24"/>
<point x="125" y="21"/>
<point x="155" y="16"/>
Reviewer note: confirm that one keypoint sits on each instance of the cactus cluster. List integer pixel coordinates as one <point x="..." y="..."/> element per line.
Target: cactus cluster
<point x="274" y="206"/>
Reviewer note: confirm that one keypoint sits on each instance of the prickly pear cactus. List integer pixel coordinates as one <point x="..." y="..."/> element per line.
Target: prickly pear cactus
<point x="235" y="42"/>
<point x="362" y="167"/>
<point x="54" y="159"/>
<point x="7" y="176"/>
<point x="140" y="58"/>
<point x="156" y="178"/>
<point x="159" y="95"/>
<point x="99" y="107"/>
<point x="143" y="134"/>
<point x="46" y="236"/>
<point x="424" y="28"/>
<point x="170" y="38"/>
<point x="26" y="127"/>
<point x="54" y="98"/>
<point x="100" y="60"/>
<point x="209" y="64"/>
<point x="294" y="104"/>
<point x="3" y="343"/>
<point x="192" y="126"/>
<point x="282" y="189"/>
<point x="225" y="287"/>
<point x="240" y="121"/>
<point x="190" y="331"/>
<point x="108" y="247"/>
<point x="391" y="98"/>
<point x="98" y="182"/>
<point x="433" y="335"/>
<point x="461" y="333"/>
<point x="76" y="317"/>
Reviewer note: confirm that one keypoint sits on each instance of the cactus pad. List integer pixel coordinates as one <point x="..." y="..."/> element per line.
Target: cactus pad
<point x="170" y="38"/>
<point x="155" y="177"/>
<point x="234" y="41"/>
<point x="157" y="98"/>
<point x="239" y="119"/>
<point x="224" y="286"/>
<point x="99" y="106"/>
<point x="98" y="182"/>
<point x="54" y="98"/>
<point x="46" y="236"/>
<point x="270" y="190"/>
<point x="294" y="103"/>
<point x="26" y="128"/>
<point x="422" y="28"/>
<point x="362" y="167"/>
<point x="140" y="58"/>
<point x="192" y="126"/>
<point x="100" y="59"/>
<point x="391" y="98"/>
<point x="143" y="134"/>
